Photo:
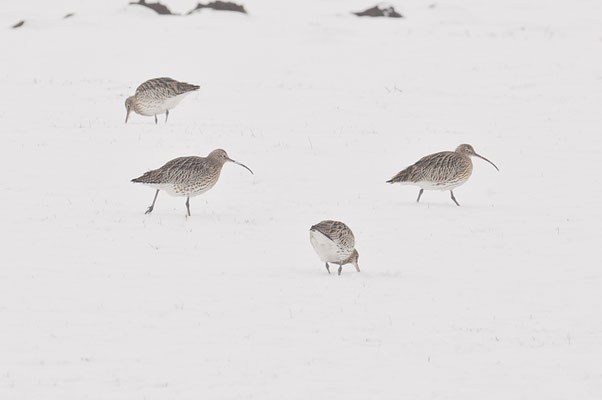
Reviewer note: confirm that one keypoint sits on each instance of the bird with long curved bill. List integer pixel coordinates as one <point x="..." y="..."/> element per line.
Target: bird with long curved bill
<point x="440" y="171"/>
<point x="187" y="176"/>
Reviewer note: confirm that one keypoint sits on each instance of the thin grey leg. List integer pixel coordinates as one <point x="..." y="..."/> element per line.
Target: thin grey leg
<point x="419" y="194"/>
<point x="155" y="119"/>
<point x="453" y="198"/>
<point x="188" y="205"/>
<point x="150" y="209"/>
<point x="166" y="115"/>
<point x="327" y="268"/>
<point x="340" y="269"/>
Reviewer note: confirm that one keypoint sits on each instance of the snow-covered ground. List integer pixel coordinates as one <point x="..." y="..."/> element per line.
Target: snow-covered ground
<point x="497" y="299"/>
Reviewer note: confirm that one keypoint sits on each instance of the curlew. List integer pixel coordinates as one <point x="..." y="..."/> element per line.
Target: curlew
<point x="334" y="243"/>
<point x="440" y="171"/>
<point x="157" y="96"/>
<point x="187" y="176"/>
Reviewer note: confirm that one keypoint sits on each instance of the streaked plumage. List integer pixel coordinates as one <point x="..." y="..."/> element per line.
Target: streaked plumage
<point x="187" y="176"/>
<point x="157" y="96"/>
<point x="440" y="171"/>
<point x="334" y="243"/>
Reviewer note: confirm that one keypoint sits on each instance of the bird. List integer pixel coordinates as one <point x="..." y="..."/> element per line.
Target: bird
<point x="157" y="96"/>
<point x="445" y="170"/>
<point x="187" y="176"/>
<point x="334" y="243"/>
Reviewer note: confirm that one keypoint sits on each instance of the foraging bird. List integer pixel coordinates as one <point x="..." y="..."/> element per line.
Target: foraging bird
<point x="157" y="96"/>
<point x="440" y="171"/>
<point x="334" y="243"/>
<point x="187" y="176"/>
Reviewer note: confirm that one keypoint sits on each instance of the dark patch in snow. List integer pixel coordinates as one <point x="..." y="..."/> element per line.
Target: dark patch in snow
<point x="157" y="7"/>
<point x="379" y="11"/>
<point x="220" y="6"/>
<point x="68" y="15"/>
<point x="18" y="24"/>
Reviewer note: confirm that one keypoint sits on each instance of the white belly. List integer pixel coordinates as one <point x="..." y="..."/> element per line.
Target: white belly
<point x="327" y="250"/>
<point x="176" y="191"/>
<point x="428" y="185"/>
<point x="154" y="107"/>
<point x="174" y="101"/>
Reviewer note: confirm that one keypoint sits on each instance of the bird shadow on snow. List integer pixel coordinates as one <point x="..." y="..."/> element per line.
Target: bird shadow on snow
<point x="314" y="272"/>
<point x="177" y="216"/>
<point x="440" y="205"/>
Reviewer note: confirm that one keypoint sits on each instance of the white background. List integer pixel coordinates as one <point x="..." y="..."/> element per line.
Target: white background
<point x="497" y="299"/>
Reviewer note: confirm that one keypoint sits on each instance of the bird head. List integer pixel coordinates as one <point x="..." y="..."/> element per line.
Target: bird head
<point x="222" y="157"/>
<point x="129" y="106"/>
<point x="354" y="260"/>
<point x="468" y="150"/>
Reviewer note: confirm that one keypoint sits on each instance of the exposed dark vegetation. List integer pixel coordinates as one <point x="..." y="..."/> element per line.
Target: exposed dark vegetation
<point x="221" y="6"/>
<point x="157" y="7"/>
<point x="379" y="11"/>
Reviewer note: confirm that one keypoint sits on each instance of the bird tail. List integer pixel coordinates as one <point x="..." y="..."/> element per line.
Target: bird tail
<point x="403" y="176"/>
<point x="146" y="178"/>
<point x="187" y="87"/>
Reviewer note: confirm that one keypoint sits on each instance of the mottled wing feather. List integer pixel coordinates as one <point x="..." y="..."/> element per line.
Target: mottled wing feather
<point x="336" y="231"/>
<point x="180" y="170"/>
<point x="163" y="88"/>
<point x="438" y="167"/>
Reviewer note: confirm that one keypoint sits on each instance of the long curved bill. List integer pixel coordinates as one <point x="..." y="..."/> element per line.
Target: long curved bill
<point x="486" y="160"/>
<point x="241" y="164"/>
<point x="127" y="116"/>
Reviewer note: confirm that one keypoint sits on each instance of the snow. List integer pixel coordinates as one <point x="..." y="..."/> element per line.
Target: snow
<point x="496" y="299"/>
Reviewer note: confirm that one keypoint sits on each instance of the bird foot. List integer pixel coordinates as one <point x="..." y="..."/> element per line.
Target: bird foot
<point x="149" y="210"/>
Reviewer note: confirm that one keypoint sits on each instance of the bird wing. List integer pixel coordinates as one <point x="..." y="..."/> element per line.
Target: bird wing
<point x="175" y="171"/>
<point x="336" y="231"/>
<point x="434" y="168"/>
<point x="166" y="87"/>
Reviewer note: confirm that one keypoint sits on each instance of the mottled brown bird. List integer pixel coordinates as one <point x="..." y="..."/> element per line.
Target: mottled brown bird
<point x="187" y="176"/>
<point x="334" y="242"/>
<point x="440" y="171"/>
<point x="157" y="96"/>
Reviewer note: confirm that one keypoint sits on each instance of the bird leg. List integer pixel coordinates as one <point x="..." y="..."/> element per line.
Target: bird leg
<point x="166" y="115"/>
<point x="327" y="268"/>
<point x="453" y="198"/>
<point x="188" y="205"/>
<point x="150" y="209"/>
<point x="155" y="119"/>
<point x="419" y="194"/>
<point x="340" y="269"/>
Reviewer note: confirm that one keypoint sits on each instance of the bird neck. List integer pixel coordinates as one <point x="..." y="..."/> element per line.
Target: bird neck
<point x="464" y="156"/>
<point x="217" y="165"/>
<point x="135" y="105"/>
<point x="350" y="259"/>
